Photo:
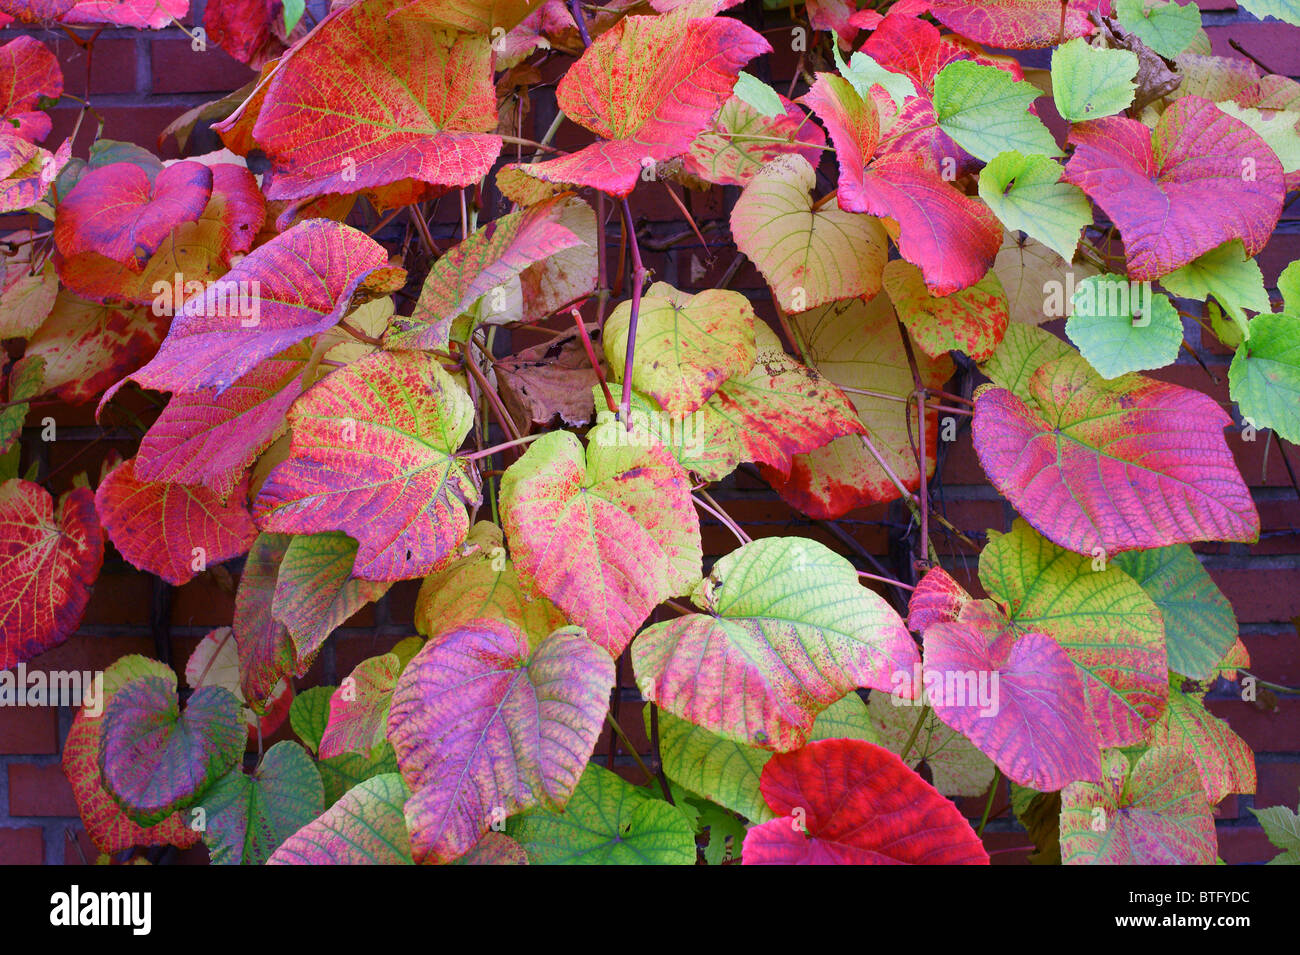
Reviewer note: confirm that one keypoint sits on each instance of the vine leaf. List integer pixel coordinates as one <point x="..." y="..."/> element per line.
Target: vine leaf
<point x="1101" y="617"/>
<point x="1224" y="761"/>
<point x="490" y="257"/>
<point x="484" y="726"/>
<point x="956" y="767"/>
<point x="1019" y="24"/>
<point x="31" y="72"/>
<point x="296" y="285"/>
<point x="860" y="347"/>
<point x="1119" y="465"/>
<point x="156" y="759"/>
<point x="1027" y="194"/>
<point x="648" y="86"/>
<point x="1152" y="813"/>
<point x="365" y="827"/>
<point x="809" y="257"/>
<point x="417" y="104"/>
<point x="788" y="629"/>
<point x="249" y="816"/>
<point x="1200" y="628"/>
<point x="1089" y="82"/>
<point x="108" y="827"/>
<point x="1034" y="721"/>
<point x="952" y="237"/>
<point x="1121" y="327"/>
<point x="607" y="822"/>
<point x="358" y="718"/>
<point x="971" y="320"/>
<point x="986" y="111"/>
<point x="50" y="557"/>
<point x="606" y="535"/>
<point x="172" y="530"/>
<point x="850" y="802"/>
<point x="687" y="345"/>
<point x="740" y="141"/>
<point x="124" y="214"/>
<point x="1167" y="28"/>
<point x="373" y="455"/>
<point x="1197" y="180"/>
<point x="1264" y="377"/>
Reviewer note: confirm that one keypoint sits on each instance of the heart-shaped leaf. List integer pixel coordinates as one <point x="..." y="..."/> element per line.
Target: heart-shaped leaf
<point x="607" y="822"/>
<point x="1089" y="82"/>
<point x="31" y="72"/>
<point x="648" y="86"/>
<point x="1119" y="465"/>
<point x="1121" y="326"/>
<point x="859" y="346"/>
<point x="986" y="111"/>
<point x="971" y="321"/>
<point x="1264" y="376"/>
<point x="1167" y="28"/>
<point x="172" y="530"/>
<point x="373" y="456"/>
<point x="788" y="629"/>
<point x="1027" y="195"/>
<point x="849" y="802"/>
<point x="156" y="759"/>
<point x="49" y="559"/>
<point x="1098" y="614"/>
<point x="484" y="726"/>
<point x="365" y="827"/>
<point x="1152" y="814"/>
<point x="124" y="214"/>
<point x="1019" y="24"/>
<point x="1197" y="180"/>
<point x="809" y="257"/>
<point x="248" y="817"/>
<point x="606" y="535"/>
<point x="1033" y="721"/>
<point x="687" y="345"/>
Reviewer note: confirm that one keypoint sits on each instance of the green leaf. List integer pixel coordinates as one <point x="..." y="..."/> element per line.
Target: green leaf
<point x="727" y="772"/>
<point x="1168" y="28"/>
<point x="1224" y="761"/>
<point x="1282" y="826"/>
<point x="1106" y="623"/>
<point x="343" y="772"/>
<point x="293" y="11"/>
<point x="309" y="714"/>
<point x="1264" y="377"/>
<point x="1026" y="193"/>
<point x="365" y="827"/>
<point x="1288" y="283"/>
<point x="985" y="110"/>
<point x="1287" y="10"/>
<point x="1276" y="127"/>
<point x="756" y="93"/>
<point x="956" y="766"/>
<point x="607" y="822"/>
<point x="863" y="72"/>
<point x="249" y="816"/>
<point x="25" y="381"/>
<point x="1225" y="272"/>
<point x="1089" y="82"/>
<point x="1023" y="351"/>
<point x="1122" y="326"/>
<point x="1199" y="625"/>
<point x="788" y="629"/>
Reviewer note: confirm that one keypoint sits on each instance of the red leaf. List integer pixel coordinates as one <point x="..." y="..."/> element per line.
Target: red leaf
<point x="1199" y="179"/>
<point x="858" y="804"/>
<point x="373" y="456"/>
<point x="119" y="212"/>
<point x="484" y="724"/>
<point x="952" y="237"/>
<point x="298" y="284"/>
<point x="938" y="598"/>
<point x="172" y="530"/>
<point x="28" y="71"/>
<point x="36" y="11"/>
<point x="136" y="14"/>
<point x="1019" y="24"/>
<point x="1123" y="464"/>
<point x="648" y="86"/>
<point x="372" y="97"/>
<point x="48" y="562"/>
<point x="243" y="28"/>
<point x="1034" y="723"/>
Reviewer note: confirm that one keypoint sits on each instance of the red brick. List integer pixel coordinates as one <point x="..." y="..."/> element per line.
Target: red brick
<point x="1274" y="44"/>
<point x="1275" y="655"/>
<point x="401" y="601"/>
<point x="30" y="730"/>
<point x="24" y="846"/>
<point x="1279" y="785"/>
<point x="80" y="850"/>
<point x="1008" y="848"/>
<point x="1241" y="845"/>
<point x="178" y="68"/>
<point x="112" y="65"/>
<point x="84" y="652"/>
<point x="202" y="603"/>
<point x="1279" y="526"/>
<point x="120" y="597"/>
<point x="1252" y="599"/>
<point x="133" y="124"/>
<point x="39" y="791"/>
<point x="1265" y="731"/>
<point x="351" y="649"/>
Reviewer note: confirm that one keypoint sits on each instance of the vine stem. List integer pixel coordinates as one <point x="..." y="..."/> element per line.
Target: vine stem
<point x="627" y="744"/>
<point x="988" y="805"/>
<point x="591" y="357"/>
<point x="916" y="731"/>
<point x="702" y="500"/>
<point x="638" y="282"/>
<point x="357" y="333"/>
<point x="494" y="400"/>
<point x="488" y="452"/>
<point x="885" y="580"/>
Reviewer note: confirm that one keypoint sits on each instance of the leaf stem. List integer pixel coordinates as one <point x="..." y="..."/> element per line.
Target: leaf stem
<point x="702" y="500"/>
<point x="488" y="452"/>
<point x="988" y="805"/>
<point x="591" y="357"/>
<point x="498" y="409"/>
<point x="638" y="281"/>
<point x="627" y="744"/>
<point x="916" y="731"/>
<point x="357" y="333"/>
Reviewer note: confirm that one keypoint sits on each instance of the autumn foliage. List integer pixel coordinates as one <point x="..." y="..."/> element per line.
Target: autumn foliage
<point x="335" y="403"/>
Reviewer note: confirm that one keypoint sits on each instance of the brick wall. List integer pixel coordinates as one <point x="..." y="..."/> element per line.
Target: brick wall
<point x="141" y="81"/>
